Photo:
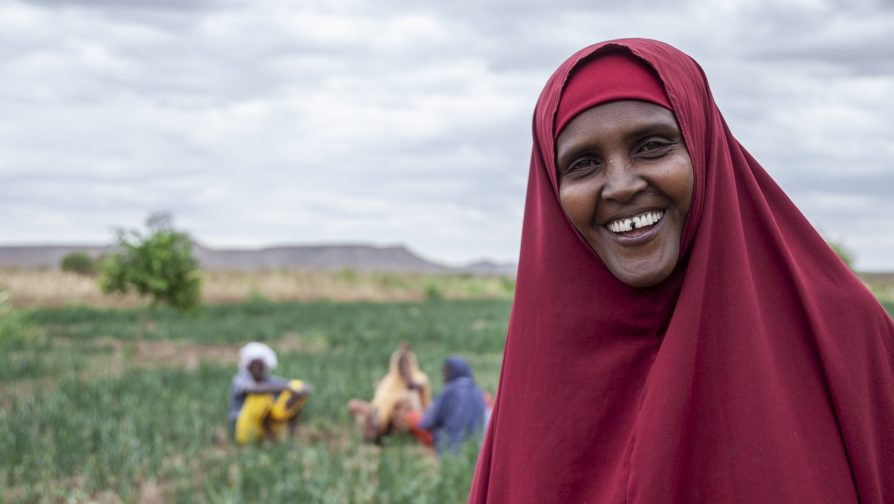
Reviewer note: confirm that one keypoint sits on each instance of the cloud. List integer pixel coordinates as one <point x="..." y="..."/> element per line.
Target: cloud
<point x="397" y="122"/>
<point x="105" y="5"/>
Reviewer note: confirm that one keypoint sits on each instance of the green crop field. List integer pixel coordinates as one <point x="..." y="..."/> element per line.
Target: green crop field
<point x="108" y="405"/>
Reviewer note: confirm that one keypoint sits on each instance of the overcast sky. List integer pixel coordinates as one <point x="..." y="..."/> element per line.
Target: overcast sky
<point x="263" y="122"/>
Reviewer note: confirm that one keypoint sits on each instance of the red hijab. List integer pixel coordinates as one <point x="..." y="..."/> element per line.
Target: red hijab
<point x="761" y="370"/>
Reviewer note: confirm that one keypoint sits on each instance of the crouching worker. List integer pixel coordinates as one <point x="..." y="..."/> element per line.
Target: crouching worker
<point x="458" y="413"/>
<point x="263" y="406"/>
<point x="405" y="386"/>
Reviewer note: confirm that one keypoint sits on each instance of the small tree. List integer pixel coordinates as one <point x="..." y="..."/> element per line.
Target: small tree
<point x="78" y="262"/>
<point x="158" y="265"/>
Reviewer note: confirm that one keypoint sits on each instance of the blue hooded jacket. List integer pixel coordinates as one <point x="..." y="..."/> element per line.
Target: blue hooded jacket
<point x="458" y="412"/>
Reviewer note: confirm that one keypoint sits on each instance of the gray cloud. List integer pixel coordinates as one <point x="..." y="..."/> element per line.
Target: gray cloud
<point x="278" y="121"/>
<point x="106" y="5"/>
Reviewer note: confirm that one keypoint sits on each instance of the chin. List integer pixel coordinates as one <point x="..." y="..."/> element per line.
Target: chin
<point x="643" y="278"/>
<point x="641" y="282"/>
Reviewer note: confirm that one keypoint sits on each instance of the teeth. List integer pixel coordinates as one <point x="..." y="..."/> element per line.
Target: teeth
<point x="637" y="221"/>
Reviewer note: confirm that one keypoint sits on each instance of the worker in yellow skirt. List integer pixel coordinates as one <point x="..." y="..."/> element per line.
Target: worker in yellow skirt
<point x="263" y="406"/>
<point x="404" y="387"/>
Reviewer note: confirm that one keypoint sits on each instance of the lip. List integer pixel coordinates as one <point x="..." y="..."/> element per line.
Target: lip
<point x="638" y="238"/>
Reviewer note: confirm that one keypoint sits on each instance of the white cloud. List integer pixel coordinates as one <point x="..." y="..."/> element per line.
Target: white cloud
<point x="393" y="122"/>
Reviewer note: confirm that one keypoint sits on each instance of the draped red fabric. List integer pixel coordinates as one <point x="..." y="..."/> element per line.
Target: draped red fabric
<point x="760" y="371"/>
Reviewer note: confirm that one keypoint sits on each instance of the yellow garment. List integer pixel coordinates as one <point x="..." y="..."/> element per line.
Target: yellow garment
<point x="392" y="388"/>
<point x="263" y="417"/>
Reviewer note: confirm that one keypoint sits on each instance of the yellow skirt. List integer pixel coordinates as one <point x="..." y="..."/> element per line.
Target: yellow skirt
<point x="263" y="417"/>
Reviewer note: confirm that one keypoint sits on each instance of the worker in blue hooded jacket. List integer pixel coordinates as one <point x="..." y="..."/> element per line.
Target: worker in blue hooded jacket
<point x="458" y="412"/>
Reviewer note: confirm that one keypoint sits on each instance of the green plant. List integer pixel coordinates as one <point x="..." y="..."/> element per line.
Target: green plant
<point x="158" y="264"/>
<point x="347" y="275"/>
<point x="78" y="262"/>
<point x="433" y="292"/>
<point x="101" y="414"/>
<point x="16" y="332"/>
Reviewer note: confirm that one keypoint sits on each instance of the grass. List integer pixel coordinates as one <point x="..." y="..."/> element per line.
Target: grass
<point x="104" y="406"/>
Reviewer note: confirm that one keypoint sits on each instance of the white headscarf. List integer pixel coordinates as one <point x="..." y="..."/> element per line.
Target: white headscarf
<point x="255" y="350"/>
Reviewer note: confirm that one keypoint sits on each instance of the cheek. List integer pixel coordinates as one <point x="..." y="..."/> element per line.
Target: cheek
<point x="578" y="201"/>
<point x="686" y="182"/>
<point x="677" y="182"/>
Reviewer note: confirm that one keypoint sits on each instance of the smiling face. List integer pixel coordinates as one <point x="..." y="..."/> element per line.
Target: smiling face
<point x="625" y="182"/>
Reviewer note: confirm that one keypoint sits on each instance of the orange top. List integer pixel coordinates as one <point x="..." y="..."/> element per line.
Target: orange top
<point x="422" y="435"/>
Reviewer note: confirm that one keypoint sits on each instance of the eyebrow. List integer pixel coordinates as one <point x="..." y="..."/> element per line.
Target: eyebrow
<point x="654" y="127"/>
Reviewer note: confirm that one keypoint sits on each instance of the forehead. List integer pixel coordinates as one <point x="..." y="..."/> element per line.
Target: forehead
<point x="614" y="121"/>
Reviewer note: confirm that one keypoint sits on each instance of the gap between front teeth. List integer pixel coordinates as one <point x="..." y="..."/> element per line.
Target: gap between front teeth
<point x="639" y="221"/>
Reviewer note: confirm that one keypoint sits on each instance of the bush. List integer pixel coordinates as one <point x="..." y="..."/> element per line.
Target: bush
<point x="158" y="265"/>
<point x="78" y="262"/>
<point x="433" y="292"/>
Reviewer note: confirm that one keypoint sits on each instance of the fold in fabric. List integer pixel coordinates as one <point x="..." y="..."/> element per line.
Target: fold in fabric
<point x="761" y="370"/>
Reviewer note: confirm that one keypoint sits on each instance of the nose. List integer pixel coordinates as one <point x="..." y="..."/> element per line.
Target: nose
<point x="622" y="181"/>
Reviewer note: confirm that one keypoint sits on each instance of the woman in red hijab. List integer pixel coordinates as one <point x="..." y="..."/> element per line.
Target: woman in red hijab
<point x="680" y="332"/>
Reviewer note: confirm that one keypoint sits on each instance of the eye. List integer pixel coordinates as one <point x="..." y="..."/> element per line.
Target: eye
<point x="581" y="167"/>
<point x="654" y="147"/>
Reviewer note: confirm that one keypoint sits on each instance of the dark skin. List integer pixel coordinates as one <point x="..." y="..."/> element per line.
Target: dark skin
<point x="403" y="366"/>
<point x="619" y="160"/>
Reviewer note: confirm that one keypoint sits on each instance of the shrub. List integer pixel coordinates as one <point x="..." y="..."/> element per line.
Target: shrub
<point x="433" y="292"/>
<point x="78" y="262"/>
<point x="158" y="264"/>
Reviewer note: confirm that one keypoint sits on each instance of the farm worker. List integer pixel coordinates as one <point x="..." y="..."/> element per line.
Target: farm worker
<point x="458" y="412"/>
<point x="404" y="384"/>
<point x="680" y="333"/>
<point x="262" y="405"/>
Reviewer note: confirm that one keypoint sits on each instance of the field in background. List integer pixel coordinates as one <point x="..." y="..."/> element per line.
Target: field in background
<point x="102" y="405"/>
<point x="56" y="288"/>
<point x="881" y="284"/>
